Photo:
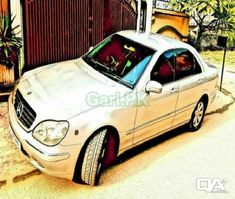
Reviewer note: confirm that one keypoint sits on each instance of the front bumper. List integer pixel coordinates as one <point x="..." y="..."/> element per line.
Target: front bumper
<point x="57" y="161"/>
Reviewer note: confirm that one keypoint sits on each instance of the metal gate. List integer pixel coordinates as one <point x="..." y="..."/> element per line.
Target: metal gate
<point x="119" y="15"/>
<point x="57" y="30"/>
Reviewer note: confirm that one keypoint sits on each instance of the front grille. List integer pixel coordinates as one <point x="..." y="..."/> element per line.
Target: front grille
<point x="24" y="112"/>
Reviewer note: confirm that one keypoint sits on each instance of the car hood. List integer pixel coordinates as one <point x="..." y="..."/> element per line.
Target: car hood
<point x="63" y="90"/>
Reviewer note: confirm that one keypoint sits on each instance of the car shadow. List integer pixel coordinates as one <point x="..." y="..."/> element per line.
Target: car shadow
<point x="150" y="143"/>
<point x="135" y="160"/>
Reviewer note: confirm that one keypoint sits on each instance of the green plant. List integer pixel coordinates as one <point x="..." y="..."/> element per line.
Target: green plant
<point x="10" y="44"/>
<point x="211" y="16"/>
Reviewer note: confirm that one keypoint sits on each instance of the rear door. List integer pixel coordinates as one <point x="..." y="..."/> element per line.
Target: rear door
<point x="190" y="79"/>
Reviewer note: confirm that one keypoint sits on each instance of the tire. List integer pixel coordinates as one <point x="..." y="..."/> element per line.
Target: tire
<point x="197" y="116"/>
<point x="92" y="165"/>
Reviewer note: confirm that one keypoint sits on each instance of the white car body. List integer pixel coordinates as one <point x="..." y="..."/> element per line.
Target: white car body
<point x="61" y="92"/>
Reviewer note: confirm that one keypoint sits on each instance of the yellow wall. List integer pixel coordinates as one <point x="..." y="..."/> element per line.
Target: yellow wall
<point x="172" y="22"/>
<point x="3" y="7"/>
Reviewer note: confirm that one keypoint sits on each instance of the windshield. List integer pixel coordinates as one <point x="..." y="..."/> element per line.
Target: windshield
<point x="121" y="59"/>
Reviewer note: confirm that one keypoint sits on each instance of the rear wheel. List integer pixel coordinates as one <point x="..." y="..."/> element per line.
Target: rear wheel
<point x="197" y="116"/>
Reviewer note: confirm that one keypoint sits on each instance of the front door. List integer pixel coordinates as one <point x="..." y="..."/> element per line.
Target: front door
<point x="157" y="113"/>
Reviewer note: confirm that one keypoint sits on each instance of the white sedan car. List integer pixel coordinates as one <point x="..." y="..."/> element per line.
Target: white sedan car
<point x="72" y="119"/>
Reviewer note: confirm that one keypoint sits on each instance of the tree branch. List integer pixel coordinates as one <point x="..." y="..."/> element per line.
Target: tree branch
<point x="194" y="18"/>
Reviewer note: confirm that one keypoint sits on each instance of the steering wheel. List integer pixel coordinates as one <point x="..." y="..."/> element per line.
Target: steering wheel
<point x="111" y="61"/>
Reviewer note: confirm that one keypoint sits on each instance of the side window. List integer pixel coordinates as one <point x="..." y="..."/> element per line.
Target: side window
<point x="163" y="71"/>
<point x="197" y="67"/>
<point x="186" y="64"/>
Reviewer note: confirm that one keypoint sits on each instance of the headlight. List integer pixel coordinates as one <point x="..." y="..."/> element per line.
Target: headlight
<point x="50" y="132"/>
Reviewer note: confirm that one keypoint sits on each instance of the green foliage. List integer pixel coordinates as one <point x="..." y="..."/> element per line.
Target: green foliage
<point x="225" y="24"/>
<point x="211" y="16"/>
<point x="194" y="7"/>
<point x="10" y="44"/>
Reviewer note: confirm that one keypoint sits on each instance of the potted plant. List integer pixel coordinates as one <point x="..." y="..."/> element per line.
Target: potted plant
<point x="10" y="46"/>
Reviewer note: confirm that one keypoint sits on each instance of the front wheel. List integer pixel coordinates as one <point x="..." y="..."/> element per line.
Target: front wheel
<point x="93" y="159"/>
<point x="197" y="116"/>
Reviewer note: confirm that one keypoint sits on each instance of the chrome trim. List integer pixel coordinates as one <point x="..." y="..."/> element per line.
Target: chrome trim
<point x="153" y="136"/>
<point x="151" y="122"/>
<point x="24" y="112"/>
<point x="159" y="119"/>
<point x="51" y="155"/>
<point x="185" y="108"/>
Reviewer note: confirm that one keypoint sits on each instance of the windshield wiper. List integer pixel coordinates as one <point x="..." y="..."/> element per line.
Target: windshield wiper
<point x="116" y="77"/>
<point x="107" y="71"/>
<point x="96" y="63"/>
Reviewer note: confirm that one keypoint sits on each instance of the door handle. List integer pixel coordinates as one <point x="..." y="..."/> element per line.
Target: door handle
<point x="174" y="90"/>
<point x="199" y="81"/>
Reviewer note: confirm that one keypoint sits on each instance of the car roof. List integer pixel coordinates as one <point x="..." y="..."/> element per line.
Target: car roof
<point x="154" y="41"/>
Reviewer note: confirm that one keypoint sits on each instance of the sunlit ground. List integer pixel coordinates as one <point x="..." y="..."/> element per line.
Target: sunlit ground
<point x="216" y="57"/>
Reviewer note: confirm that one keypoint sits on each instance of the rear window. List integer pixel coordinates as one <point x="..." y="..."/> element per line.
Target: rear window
<point x="186" y="64"/>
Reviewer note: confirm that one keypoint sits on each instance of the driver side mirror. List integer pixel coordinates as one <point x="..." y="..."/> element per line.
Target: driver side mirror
<point x="154" y="87"/>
